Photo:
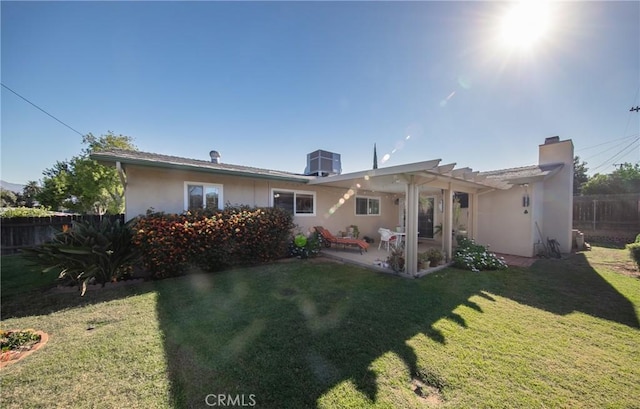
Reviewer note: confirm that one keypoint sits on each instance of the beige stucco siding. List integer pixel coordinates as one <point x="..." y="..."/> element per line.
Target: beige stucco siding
<point x="502" y="223"/>
<point x="163" y="190"/>
<point x="558" y="196"/>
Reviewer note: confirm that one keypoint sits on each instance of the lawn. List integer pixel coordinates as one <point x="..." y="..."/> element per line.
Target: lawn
<point x="314" y="333"/>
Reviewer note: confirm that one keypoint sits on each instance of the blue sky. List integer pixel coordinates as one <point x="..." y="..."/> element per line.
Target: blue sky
<point x="266" y="83"/>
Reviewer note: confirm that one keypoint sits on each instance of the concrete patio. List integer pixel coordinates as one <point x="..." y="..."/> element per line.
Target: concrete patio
<point x="375" y="258"/>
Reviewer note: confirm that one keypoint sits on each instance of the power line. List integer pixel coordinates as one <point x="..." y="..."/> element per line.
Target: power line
<point x="605" y="143"/>
<point x="79" y="133"/>
<point x="602" y="152"/>
<point x="606" y="162"/>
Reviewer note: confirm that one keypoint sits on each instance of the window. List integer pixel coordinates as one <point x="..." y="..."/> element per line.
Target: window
<point x="198" y="196"/>
<point x="297" y="203"/>
<point x="368" y="206"/>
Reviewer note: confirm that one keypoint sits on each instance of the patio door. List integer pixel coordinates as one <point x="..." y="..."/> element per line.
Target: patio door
<point x="425" y="217"/>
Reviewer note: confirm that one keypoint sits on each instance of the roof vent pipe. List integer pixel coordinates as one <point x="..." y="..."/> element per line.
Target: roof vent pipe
<point x="215" y="156"/>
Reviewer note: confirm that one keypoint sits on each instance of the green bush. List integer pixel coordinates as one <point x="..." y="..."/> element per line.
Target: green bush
<point x="638" y="238"/>
<point x="24" y="212"/>
<point x="475" y="257"/>
<point x="301" y="246"/>
<point x="88" y="252"/>
<point x="216" y="240"/>
<point x="634" y="249"/>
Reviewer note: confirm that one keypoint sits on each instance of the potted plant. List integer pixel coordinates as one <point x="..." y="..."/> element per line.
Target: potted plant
<point x="354" y="231"/>
<point x="434" y="256"/>
<point x="396" y="259"/>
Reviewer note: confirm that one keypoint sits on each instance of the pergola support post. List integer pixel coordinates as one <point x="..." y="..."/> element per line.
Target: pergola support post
<point x="411" y="228"/>
<point x="447" y="225"/>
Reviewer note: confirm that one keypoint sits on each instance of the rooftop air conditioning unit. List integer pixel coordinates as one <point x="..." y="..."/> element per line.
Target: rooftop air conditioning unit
<point x="323" y="163"/>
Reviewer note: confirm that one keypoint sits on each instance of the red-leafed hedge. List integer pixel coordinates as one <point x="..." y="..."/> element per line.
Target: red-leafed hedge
<point x="211" y="240"/>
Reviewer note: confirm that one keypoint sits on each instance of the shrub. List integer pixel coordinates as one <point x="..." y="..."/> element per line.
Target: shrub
<point x="24" y="212"/>
<point x="13" y="340"/>
<point x="87" y="251"/>
<point x="212" y="240"/>
<point x="634" y="249"/>
<point x="475" y="257"/>
<point x="638" y="238"/>
<point x="305" y="247"/>
<point x="396" y="259"/>
<point x="162" y="241"/>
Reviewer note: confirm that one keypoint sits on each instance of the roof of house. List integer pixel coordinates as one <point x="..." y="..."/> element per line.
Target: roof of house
<point x="525" y="174"/>
<point x="386" y="178"/>
<point x="176" y="162"/>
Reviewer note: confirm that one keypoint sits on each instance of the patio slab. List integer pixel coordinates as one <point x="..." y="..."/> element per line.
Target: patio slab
<point x="375" y="259"/>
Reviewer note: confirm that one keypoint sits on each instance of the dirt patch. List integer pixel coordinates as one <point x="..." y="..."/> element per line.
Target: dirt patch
<point x="613" y="259"/>
<point x="627" y="268"/>
<point x="427" y="393"/>
<point x="12" y="356"/>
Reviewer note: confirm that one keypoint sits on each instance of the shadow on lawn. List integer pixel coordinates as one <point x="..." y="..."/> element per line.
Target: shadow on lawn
<point x="50" y="299"/>
<point x="570" y="285"/>
<point x="288" y="334"/>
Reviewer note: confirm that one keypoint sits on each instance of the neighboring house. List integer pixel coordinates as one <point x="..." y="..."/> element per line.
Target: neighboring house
<point x="498" y="208"/>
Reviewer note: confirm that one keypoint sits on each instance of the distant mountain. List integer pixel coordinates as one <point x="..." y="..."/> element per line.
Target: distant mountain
<point x="14" y="187"/>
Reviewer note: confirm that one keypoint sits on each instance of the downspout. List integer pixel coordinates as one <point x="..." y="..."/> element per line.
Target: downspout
<point x="123" y="179"/>
<point x="122" y="175"/>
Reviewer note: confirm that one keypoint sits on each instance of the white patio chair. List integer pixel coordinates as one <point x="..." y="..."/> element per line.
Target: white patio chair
<point x="387" y="237"/>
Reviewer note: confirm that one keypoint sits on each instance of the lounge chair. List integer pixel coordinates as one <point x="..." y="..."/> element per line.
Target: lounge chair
<point x="344" y="241"/>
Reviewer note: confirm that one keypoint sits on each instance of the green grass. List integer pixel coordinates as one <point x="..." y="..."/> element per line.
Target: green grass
<point x="20" y="276"/>
<point x="315" y="334"/>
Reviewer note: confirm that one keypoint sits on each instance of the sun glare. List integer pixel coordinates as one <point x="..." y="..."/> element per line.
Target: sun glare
<point x="525" y="24"/>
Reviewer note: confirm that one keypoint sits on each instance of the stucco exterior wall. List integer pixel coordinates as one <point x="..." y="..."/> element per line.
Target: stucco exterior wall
<point x="502" y="223"/>
<point x="537" y="216"/>
<point x="163" y="190"/>
<point x="557" y="220"/>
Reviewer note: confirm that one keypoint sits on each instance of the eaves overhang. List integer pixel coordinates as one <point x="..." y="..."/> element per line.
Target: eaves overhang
<point x="428" y="175"/>
<point x="136" y="158"/>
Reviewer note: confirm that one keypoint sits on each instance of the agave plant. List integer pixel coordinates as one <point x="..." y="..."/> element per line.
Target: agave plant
<point x="100" y="252"/>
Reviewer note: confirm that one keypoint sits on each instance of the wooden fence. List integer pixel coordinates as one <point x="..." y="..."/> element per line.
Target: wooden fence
<point x="22" y="232"/>
<point x="607" y="215"/>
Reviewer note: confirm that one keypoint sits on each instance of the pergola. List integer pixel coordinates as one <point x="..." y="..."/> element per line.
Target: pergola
<point x="412" y="180"/>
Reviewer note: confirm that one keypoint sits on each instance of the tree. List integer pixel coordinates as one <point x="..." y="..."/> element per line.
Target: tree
<point x="55" y="192"/>
<point x="30" y="192"/>
<point x="625" y="179"/>
<point x="580" y="176"/>
<point x="7" y="198"/>
<point x="82" y="184"/>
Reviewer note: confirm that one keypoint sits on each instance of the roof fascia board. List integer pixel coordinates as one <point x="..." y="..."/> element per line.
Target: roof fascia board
<point x="392" y="170"/>
<point x="155" y="164"/>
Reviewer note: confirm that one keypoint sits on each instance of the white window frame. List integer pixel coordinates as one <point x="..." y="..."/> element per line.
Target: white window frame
<point x="204" y="196"/>
<point x="295" y="193"/>
<point x="355" y="205"/>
